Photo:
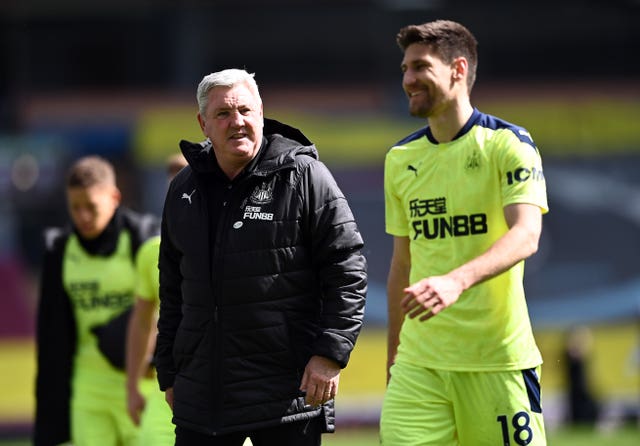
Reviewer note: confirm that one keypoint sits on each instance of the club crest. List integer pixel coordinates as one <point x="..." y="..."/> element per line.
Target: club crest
<point x="262" y="194"/>
<point x="472" y="162"/>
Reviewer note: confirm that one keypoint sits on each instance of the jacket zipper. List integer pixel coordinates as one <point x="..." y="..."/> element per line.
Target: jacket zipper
<point x="216" y="271"/>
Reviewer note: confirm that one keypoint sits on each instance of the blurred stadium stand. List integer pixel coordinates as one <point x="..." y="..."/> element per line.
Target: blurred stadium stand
<point x="167" y="44"/>
<point x="118" y="78"/>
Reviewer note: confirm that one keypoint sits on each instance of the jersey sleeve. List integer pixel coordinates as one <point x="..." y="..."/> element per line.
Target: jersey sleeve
<point x="147" y="282"/>
<point x="395" y="219"/>
<point x="522" y="176"/>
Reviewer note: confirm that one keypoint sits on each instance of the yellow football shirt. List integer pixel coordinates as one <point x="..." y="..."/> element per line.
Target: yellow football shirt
<point x="100" y="288"/>
<point x="448" y="198"/>
<point x="147" y="286"/>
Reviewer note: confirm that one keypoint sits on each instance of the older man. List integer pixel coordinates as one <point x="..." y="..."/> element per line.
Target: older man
<point x="262" y="282"/>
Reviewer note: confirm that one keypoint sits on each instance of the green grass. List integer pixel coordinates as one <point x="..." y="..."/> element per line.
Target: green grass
<point x="628" y="436"/>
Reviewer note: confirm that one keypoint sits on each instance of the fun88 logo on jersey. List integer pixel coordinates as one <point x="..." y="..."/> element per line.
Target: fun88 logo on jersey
<point x="429" y="220"/>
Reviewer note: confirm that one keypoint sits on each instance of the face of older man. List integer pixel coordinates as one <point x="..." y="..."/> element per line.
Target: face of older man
<point x="233" y="121"/>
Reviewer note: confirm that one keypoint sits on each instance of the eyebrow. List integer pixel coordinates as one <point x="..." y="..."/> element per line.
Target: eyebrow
<point x="230" y="107"/>
<point x="415" y="61"/>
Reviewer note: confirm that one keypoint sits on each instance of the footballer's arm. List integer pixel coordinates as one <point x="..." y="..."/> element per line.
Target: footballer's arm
<point x="397" y="282"/>
<point x="140" y="342"/>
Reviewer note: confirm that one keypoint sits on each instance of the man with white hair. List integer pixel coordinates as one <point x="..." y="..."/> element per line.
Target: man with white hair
<point x="262" y="280"/>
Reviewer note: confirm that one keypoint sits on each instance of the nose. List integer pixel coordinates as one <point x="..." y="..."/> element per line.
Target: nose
<point x="237" y="119"/>
<point x="408" y="78"/>
<point x="83" y="215"/>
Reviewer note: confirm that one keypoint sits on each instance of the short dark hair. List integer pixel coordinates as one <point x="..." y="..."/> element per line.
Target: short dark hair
<point x="447" y="38"/>
<point x="90" y="171"/>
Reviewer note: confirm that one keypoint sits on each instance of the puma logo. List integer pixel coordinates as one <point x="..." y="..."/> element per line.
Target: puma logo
<point x="187" y="196"/>
<point x="412" y="169"/>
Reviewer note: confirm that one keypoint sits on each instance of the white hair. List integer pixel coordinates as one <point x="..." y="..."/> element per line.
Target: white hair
<point x="224" y="78"/>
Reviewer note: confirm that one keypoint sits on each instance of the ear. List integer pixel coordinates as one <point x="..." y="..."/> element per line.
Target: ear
<point x="460" y="68"/>
<point x="117" y="195"/>
<point x="202" y="124"/>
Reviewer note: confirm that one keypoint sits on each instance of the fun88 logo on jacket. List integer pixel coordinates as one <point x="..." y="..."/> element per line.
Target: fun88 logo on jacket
<point x="429" y="220"/>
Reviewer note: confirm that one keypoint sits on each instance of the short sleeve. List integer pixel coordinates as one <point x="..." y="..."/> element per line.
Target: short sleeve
<point x="395" y="218"/>
<point x="147" y="281"/>
<point x="522" y="179"/>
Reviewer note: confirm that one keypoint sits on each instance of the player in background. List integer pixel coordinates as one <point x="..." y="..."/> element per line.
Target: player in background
<point x="464" y="198"/>
<point x="147" y="407"/>
<point x="86" y="293"/>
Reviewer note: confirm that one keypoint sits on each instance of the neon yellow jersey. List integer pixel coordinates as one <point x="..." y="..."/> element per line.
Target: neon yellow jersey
<point x="448" y="199"/>
<point x="100" y="288"/>
<point x="148" y="284"/>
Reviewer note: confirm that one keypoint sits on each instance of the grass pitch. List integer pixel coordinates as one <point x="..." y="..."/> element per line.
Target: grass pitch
<point x="627" y="436"/>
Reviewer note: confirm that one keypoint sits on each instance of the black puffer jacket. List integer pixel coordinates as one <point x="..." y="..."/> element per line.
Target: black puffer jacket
<point x="243" y="310"/>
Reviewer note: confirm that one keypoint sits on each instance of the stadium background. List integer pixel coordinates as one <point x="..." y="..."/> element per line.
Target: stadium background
<point x="118" y="78"/>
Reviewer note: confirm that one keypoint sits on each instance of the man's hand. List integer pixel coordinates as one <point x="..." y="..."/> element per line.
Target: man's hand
<point x="430" y="296"/>
<point x="135" y="405"/>
<point x="320" y="380"/>
<point x="168" y="396"/>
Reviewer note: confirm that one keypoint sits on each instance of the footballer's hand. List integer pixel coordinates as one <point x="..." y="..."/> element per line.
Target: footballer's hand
<point x="135" y="405"/>
<point x="428" y="297"/>
<point x="168" y="396"/>
<point x="320" y="380"/>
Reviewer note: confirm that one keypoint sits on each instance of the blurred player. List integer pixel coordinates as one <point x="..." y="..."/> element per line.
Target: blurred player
<point x="464" y="201"/>
<point x="86" y="292"/>
<point x="152" y="413"/>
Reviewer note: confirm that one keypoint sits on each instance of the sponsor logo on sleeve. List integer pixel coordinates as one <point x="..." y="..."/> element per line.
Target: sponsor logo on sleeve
<point x="523" y="174"/>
